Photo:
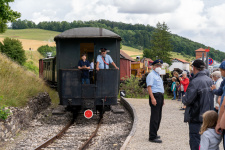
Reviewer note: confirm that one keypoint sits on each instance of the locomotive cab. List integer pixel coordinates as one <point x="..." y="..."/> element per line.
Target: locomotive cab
<point x="103" y="91"/>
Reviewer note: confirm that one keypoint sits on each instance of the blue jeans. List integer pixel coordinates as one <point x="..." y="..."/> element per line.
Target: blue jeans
<point x="181" y="93"/>
<point x="194" y="136"/>
<point x="86" y="80"/>
<point x="174" y="94"/>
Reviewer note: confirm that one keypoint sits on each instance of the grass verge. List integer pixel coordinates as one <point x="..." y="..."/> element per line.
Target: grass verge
<point x="18" y="85"/>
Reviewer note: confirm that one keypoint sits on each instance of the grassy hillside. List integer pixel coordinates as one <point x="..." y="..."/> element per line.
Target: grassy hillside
<point x="33" y="56"/>
<point x="32" y="34"/>
<point x="18" y="85"/>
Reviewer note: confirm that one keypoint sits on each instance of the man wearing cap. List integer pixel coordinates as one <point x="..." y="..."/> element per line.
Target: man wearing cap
<point x="156" y="100"/>
<point x="104" y="60"/>
<point x="198" y="99"/>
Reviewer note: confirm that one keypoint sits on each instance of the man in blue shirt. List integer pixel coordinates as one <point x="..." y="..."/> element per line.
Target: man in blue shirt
<point x="104" y="60"/>
<point x="84" y="65"/>
<point x="156" y="100"/>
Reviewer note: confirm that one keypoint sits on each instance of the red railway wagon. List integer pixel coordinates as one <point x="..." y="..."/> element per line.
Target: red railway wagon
<point x="125" y="65"/>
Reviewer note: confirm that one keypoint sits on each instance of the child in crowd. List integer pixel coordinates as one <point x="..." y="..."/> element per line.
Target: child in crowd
<point x="210" y="140"/>
<point x="173" y="88"/>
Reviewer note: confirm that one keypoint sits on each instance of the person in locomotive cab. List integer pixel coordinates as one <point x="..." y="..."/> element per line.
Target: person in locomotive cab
<point x="104" y="60"/>
<point x="84" y="65"/>
<point x="156" y="100"/>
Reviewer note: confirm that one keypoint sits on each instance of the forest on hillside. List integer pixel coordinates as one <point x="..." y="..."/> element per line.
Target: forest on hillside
<point x="137" y="35"/>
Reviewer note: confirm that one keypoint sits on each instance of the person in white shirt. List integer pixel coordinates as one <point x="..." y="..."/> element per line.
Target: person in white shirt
<point x="216" y="77"/>
<point x="91" y="71"/>
<point x="92" y="65"/>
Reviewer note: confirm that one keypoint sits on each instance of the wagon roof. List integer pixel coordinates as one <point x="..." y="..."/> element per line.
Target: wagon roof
<point x="124" y="55"/>
<point x="87" y="32"/>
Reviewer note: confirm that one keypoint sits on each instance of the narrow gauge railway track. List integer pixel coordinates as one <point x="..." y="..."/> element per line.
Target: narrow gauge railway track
<point x="48" y="144"/>
<point x="85" y="145"/>
<point x="57" y="136"/>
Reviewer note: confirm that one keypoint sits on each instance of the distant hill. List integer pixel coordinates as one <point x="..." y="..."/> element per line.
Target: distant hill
<point x="35" y="38"/>
<point x="137" y="36"/>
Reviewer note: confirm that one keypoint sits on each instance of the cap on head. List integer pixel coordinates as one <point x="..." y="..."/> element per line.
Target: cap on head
<point x="103" y="49"/>
<point x="157" y="62"/>
<point x="222" y="65"/>
<point x="198" y="64"/>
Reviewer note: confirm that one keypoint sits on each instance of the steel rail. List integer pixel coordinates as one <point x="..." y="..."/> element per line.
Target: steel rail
<point x="85" y="145"/>
<point x="57" y="136"/>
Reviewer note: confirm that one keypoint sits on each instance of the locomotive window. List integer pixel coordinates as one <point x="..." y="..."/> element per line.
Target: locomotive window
<point x="88" y="49"/>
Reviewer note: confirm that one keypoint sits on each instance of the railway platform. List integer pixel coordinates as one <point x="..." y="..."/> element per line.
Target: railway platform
<point x="173" y="131"/>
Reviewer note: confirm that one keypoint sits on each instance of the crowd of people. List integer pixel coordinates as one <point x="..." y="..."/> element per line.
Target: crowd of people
<point x="202" y="96"/>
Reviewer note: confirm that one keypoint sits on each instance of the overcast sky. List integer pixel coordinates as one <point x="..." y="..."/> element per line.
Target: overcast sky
<point x="199" y="20"/>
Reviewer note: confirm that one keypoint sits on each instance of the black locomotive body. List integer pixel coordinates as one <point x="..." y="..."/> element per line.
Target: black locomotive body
<point x="70" y="45"/>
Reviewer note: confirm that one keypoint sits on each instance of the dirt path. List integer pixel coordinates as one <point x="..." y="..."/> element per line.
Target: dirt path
<point x="173" y="131"/>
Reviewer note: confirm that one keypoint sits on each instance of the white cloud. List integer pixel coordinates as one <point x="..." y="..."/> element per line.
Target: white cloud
<point x="188" y="16"/>
<point x="199" y="20"/>
<point x="146" y="6"/>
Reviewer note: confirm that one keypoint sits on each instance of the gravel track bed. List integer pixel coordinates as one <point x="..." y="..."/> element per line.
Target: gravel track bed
<point x="113" y="131"/>
<point x="111" y="134"/>
<point x="41" y="128"/>
<point x="76" y="135"/>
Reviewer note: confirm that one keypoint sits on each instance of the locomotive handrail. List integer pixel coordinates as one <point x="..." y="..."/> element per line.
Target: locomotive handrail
<point x="89" y="69"/>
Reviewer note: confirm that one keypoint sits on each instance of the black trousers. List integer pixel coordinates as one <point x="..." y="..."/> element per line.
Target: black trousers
<point x="156" y="115"/>
<point x="194" y="136"/>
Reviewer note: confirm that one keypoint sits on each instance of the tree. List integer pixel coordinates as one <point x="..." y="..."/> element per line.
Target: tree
<point x="6" y="14"/>
<point x="45" y="48"/>
<point x="160" y="44"/>
<point x="13" y="49"/>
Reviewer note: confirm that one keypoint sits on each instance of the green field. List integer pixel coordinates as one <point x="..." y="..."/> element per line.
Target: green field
<point x="32" y="34"/>
<point x="131" y="49"/>
<point x="180" y="56"/>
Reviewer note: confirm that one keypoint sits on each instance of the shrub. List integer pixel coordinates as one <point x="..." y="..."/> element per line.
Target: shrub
<point x="44" y="49"/>
<point x="30" y="66"/>
<point x="4" y="113"/>
<point x="13" y="49"/>
<point x="133" y="90"/>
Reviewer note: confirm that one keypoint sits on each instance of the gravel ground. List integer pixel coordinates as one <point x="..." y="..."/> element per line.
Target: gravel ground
<point x="44" y="126"/>
<point x="111" y="135"/>
<point x="173" y="131"/>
